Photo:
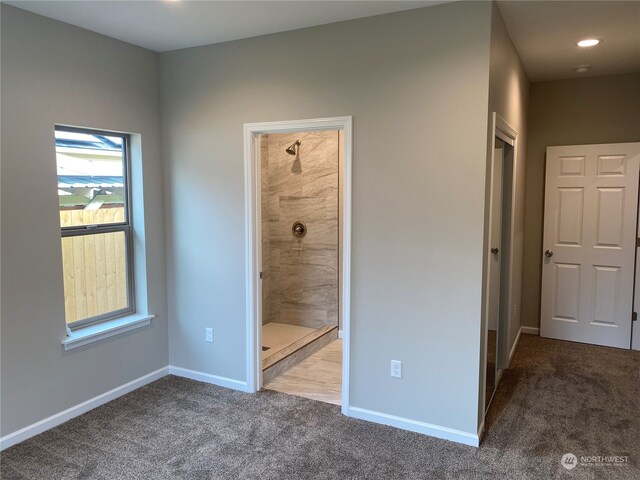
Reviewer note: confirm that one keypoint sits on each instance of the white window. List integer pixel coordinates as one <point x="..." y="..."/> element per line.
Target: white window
<point x="95" y="220"/>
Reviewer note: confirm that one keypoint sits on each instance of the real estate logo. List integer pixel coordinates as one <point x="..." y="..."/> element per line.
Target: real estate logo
<point x="569" y="461"/>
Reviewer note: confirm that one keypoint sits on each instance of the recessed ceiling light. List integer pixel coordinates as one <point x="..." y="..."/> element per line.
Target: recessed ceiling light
<point x="588" y="42"/>
<point x="582" y="68"/>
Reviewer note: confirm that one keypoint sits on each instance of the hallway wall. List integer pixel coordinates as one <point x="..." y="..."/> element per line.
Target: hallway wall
<point x="578" y="111"/>
<point x="508" y="97"/>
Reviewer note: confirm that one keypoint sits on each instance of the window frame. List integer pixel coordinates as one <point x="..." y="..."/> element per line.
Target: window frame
<point x="125" y="227"/>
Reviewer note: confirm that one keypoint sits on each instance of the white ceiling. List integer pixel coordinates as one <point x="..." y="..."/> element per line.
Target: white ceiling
<point x="544" y="32"/>
<point x="164" y="25"/>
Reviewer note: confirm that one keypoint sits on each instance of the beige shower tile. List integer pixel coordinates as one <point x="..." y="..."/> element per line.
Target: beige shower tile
<point x="298" y="207"/>
<point x="325" y="232"/>
<point x="332" y="147"/>
<point x="314" y="254"/>
<point x="282" y="181"/>
<point x="274" y="255"/>
<point x="308" y="274"/>
<point x="304" y="315"/>
<point x="320" y="182"/>
<point x="297" y="351"/>
<point x="274" y="233"/>
<point x="318" y="377"/>
<point x="305" y="189"/>
<point x="277" y="336"/>
<point x="333" y="315"/>
<point x="305" y="294"/>
<point x="333" y="210"/>
<point x="319" y="292"/>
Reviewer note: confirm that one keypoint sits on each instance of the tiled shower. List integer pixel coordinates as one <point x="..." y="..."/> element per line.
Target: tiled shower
<point x="300" y="273"/>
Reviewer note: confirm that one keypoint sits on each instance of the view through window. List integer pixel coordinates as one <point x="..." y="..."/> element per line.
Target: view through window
<point x="93" y="198"/>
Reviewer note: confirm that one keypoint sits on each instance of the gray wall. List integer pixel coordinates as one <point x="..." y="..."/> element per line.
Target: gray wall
<point x="578" y="111"/>
<point x="417" y="86"/>
<point x="508" y="96"/>
<point x="55" y="73"/>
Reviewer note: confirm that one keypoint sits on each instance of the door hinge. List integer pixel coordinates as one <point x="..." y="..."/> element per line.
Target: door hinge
<point x="260" y="275"/>
<point x="637" y="242"/>
<point x="634" y="316"/>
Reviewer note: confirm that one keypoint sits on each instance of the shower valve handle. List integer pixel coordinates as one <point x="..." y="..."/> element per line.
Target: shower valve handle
<point x="299" y="229"/>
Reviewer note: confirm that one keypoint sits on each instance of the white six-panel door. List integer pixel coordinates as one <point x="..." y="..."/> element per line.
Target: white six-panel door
<point x="589" y="244"/>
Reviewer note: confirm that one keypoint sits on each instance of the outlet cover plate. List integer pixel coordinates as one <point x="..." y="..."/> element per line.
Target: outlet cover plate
<point x="396" y="368"/>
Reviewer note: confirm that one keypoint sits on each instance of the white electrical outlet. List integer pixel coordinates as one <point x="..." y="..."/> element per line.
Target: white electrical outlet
<point x="209" y="335"/>
<point x="396" y="368"/>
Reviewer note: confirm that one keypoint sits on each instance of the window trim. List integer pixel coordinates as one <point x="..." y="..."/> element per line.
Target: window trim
<point x="125" y="227"/>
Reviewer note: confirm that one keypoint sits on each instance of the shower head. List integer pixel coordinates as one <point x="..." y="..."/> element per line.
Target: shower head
<point x="291" y="149"/>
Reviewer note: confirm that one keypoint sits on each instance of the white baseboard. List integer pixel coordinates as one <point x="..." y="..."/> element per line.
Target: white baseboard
<point x="515" y="345"/>
<point x="472" y="439"/>
<point x="209" y="378"/>
<point x="66" y="415"/>
<point x="339" y="333"/>
<point x="530" y="330"/>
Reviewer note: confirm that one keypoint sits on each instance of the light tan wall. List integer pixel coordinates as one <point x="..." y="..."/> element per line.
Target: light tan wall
<point x="569" y="112"/>
<point x="301" y="274"/>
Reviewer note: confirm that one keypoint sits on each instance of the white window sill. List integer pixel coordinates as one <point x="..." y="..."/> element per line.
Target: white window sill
<point x="95" y="333"/>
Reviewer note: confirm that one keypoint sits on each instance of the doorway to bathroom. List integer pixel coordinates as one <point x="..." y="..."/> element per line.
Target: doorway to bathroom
<point x="298" y="249"/>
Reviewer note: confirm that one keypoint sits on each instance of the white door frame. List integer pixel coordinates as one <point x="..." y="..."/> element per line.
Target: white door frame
<point x="253" y="235"/>
<point x="505" y="132"/>
<point x="509" y="135"/>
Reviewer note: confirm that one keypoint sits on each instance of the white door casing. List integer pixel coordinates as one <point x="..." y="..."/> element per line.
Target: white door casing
<point x="498" y="275"/>
<point x="495" y="240"/>
<point x="253" y="237"/>
<point x="588" y="257"/>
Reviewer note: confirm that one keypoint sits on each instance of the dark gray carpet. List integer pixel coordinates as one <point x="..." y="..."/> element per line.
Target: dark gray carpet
<point x="558" y="397"/>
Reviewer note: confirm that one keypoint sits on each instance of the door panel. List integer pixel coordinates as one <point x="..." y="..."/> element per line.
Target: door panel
<point x="610" y="217"/>
<point x="567" y="292"/>
<point x="571" y="166"/>
<point x="606" y="290"/>
<point x="591" y="200"/>
<point x="570" y="208"/>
